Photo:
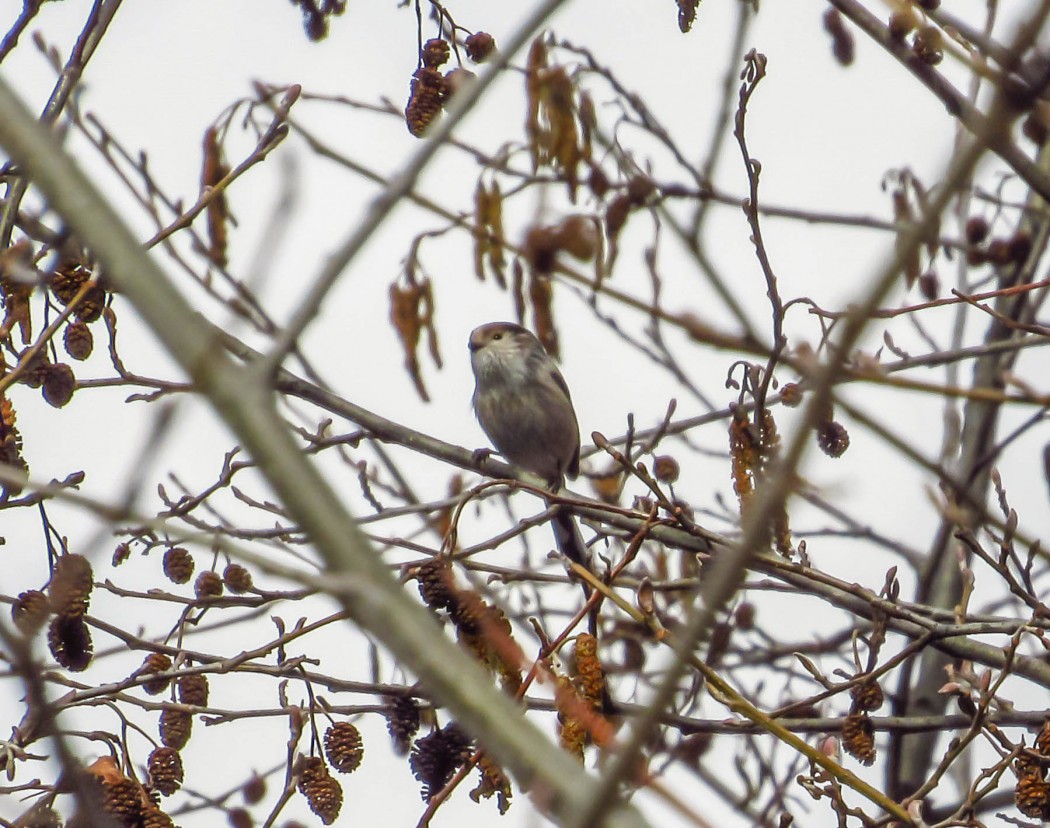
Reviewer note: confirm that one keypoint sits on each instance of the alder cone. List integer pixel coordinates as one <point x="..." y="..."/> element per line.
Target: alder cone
<point x="165" y="770"/>
<point x="178" y="565"/>
<point x="322" y="792"/>
<point x="175" y="727"/>
<point x="1042" y="741"/>
<point x="71" y="584"/>
<point x="858" y="738"/>
<point x="238" y="580"/>
<point x="403" y="722"/>
<point x="1032" y="796"/>
<point x="78" y="340"/>
<point x="59" y="384"/>
<point x="343" y="747"/>
<point x="69" y="641"/>
<point x="30" y="611"/>
<point x="867" y="696"/>
<point x="479" y="46"/>
<point x="193" y="689"/>
<point x="156" y="663"/>
<point x="122" y="800"/>
<point x="208" y="585"/>
<point x="155" y="818"/>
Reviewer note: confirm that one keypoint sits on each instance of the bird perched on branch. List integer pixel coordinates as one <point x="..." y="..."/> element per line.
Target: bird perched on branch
<point x="524" y="406"/>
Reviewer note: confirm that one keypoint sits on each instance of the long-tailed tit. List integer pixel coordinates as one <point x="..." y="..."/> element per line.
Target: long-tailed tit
<point x="523" y="405"/>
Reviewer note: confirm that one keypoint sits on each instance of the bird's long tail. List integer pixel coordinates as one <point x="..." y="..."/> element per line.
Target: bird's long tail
<point x="570" y="542"/>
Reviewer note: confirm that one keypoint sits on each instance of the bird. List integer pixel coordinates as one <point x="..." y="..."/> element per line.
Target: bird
<point x="523" y="405"/>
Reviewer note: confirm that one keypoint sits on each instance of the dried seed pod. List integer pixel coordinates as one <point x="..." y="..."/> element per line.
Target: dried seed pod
<point x="1032" y="796"/>
<point x="1035" y="128"/>
<point x="156" y="663"/>
<point x="686" y="14"/>
<point x="343" y="747"/>
<point x="640" y="189"/>
<point x="744" y="616"/>
<point x="175" y="727"/>
<point x="254" y="789"/>
<point x="998" y="252"/>
<point x="858" y="738"/>
<point x="154" y="817"/>
<point x="540" y="248"/>
<point x="1042" y="741"/>
<point x="666" y="469"/>
<point x="208" y="585"/>
<point x="427" y="95"/>
<point x="435" y="53"/>
<point x="193" y="689"/>
<point x="70" y="588"/>
<point x="929" y="285"/>
<point x="240" y="818"/>
<point x="67" y="279"/>
<point x="842" y="45"/>
<point x="791" y="394"/>
<point x="437" y="756"/>
<point x="616" y="215"/>
<point x="926" y="45"/>
<point x="90" y="308"/>
<point x="402" y="722"/>
<point x="69" y="640"/>
<point x="10" y="445"/>
<point x="578" y="236"/>
<point x="976" y="229"/>
<point x="78" y="340"/>
<point x="867" y="696"/>
<point x="436" y="585"/>
<point x="178" y="565"/>
<point x="598" y="182"/>
<point x="30" y="611"/>
<point x="832" y="438"/>
<point x="1020" y="246"/>
<point x="480" y="46"/>
<point x="238" y="580"/>
<point x="322" y="792"/>
<point x="902" y="22"/>
<point x="165" y="770"/>
<point x="59" y="384"/>
<point x="121" y="553"/>
<point x="122" y="800"/>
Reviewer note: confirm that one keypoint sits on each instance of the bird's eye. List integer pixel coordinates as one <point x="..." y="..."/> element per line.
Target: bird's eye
<point x="497" y="336"/>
